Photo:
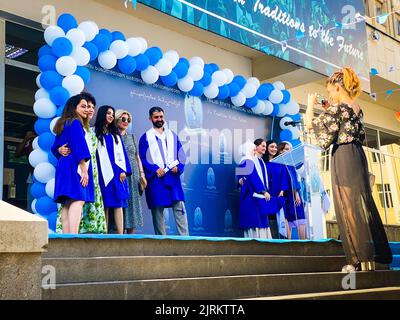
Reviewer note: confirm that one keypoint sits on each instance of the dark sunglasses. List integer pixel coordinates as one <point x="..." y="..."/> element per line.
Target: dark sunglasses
<point x="123" y="119"/>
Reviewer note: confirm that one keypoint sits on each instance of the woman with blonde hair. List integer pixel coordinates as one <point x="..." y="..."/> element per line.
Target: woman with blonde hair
<point x="133" y="217"/>
<point x="341" y="125"/>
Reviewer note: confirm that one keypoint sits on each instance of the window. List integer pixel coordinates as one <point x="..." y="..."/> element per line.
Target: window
<point x="387" y="193"/>
<point x="377" y="156"/>
<point x="325" y="161"/>
<point x="397" y="24"/>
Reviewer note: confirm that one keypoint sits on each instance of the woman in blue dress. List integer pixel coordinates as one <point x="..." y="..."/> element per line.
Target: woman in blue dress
<point x="294" y="206"/>
<point x="113" y="166"/>
<point x="74" y="178"/>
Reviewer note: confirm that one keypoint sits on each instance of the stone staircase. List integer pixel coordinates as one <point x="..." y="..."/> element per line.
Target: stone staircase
<point x="158" y="268"/>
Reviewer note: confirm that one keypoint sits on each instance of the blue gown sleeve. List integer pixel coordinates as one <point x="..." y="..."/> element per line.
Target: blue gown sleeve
<point x="54" y="148"/>
<point x="252" y="177"/>
<point x="77" y="142"/>
<point x="149" y="168"/>
<point x="285" y="184"/>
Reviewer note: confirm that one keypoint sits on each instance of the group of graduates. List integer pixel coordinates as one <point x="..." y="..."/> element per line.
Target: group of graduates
<point x="270" y="193"/>
<point x="96" y="175"/>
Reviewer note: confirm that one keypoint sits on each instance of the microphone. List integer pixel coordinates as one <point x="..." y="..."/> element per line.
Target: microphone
<point x="291" y="123"/>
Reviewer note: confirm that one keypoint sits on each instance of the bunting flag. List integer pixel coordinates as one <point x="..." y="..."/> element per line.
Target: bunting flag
<point x="374" y="71"/>
<point x="382" y="19"/>
<point x="373" y="96"/>
<point x="397" y="115"/>
<point x="131" y="1"/>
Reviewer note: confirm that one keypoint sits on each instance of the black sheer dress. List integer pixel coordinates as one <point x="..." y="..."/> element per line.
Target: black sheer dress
<point x="361" y="230"/>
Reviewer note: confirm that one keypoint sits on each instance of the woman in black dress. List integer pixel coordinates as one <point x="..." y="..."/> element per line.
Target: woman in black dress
<point x="341" y="125"/>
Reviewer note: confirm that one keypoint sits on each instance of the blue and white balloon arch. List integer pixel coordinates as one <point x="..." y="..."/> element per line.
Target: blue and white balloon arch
<point x="71" y="46"/>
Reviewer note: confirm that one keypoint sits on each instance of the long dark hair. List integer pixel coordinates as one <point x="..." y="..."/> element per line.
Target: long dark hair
<point x="281" y="147"/>
<point x="69" y="114"/>
<point x="266" y="155"/>
<point x="101" y="123"/>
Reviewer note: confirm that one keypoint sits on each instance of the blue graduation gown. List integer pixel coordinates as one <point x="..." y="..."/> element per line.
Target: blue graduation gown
<point x="292" y="213"/>
<point x="116" y="193"/>
<point x="67" y="180"/>
<point x="162" y="192"/>
<point x="252" y="211"/>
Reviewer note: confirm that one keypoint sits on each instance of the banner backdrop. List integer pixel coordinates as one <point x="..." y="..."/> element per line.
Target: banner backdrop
<point x="211" y="132"/>
<point x="319" y="35"/>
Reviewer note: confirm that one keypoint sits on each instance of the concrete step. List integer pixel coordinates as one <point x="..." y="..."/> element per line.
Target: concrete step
<point x="75" y="270"/>
<point x="109" y="246"/>
<point x="387" y="293"/>
<point x="214" y="288"/>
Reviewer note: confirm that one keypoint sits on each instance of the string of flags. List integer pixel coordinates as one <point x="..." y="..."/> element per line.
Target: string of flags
<point x="133" y="2"/>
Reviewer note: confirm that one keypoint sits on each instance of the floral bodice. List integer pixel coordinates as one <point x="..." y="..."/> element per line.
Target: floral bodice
<point x="339" y="124"/>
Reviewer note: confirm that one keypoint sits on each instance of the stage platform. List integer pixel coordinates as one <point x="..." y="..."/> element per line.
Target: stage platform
<point x="172" y="267"/>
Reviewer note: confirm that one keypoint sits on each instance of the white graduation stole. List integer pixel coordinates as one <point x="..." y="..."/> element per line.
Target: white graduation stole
<point x="168" y="145"/>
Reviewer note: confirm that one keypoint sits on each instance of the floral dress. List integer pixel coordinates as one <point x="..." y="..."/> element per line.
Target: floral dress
<point x="93" y="214"/>
<point x="360" y="226"/>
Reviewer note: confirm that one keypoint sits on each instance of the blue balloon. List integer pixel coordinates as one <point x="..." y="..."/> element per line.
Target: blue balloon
<point x="84" y="73"/>
<point x="264" y="91"/>
<point x="46" y="141"/>
<point x="223" y="92"/>
<point x="198" y="89"/>
<point x="295" y="143"/>
<point x="285" y="135"/>
<point x="67" y="22"/>
<point x="207" y="79"/>
<point x="214" y="67"/>
<point x="52" y="159"/>
<point x="60" y="111"/>
<point x="102" y="42"/>
<point x="286" y="96"/>
<point x="233" y="89"/>
<point x="275" y="111"/>
<point x="42" y="126"/>
<point x="52" y="220"/>
<point x="181" y="69"/>
<point x="45" y="205"/>
<point x="107" y="33"/>
<point x="50" y="80"/>
<point x="117" y="35"/>
<point x="38" y="190"/>
<point x="62" y="47"/>
<point x="93" y="50"/>
<point x="45" y="50"/>
<point x="154" y="54"/>
<point x="169" y="80"/>
<point x="296" y="117"/>
<point x="208" y="69"/>
<point x="142" y="62"/>
<point x="59" y="95"/>
<point x="127" y="65"/>
<point x="47" y="62"/>
<point x="240" y="81"/>
<point x="251" y="102"/>
<point x="185" y="62"/>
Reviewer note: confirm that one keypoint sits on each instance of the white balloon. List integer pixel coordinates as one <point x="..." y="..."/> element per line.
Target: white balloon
<point x="50" y="188"/>
<point x="41" y="93"/>
<point x="276" y="96"/>
<point x="196" y="72"/>
<point x="120" y="49"/>
<point x="211" y="91"/>
<point x="33" y="206"/>
<point x="292" y="108"/>
<point x="44" y="172"/>
<point x="38" y="80"/>
<point x="143" y="44"/>
<point x="44" y="108"/>
<point x="172" y="56"/>
<point x="53" y="123"/>
<point x="279" y="85"/>
<point x="254" y="81"/>
<point x="269" y="107"/>
<point x="219" y="78"/>
<point x="76" y="36"/>
<point x="259" y="108"/>
<point x="164" y="67"/>
<point x="282" y="123"/>
<point x="150" y="75"/>
<point x="35" y="143"/>
<point x="282" y="110"/>
<point x="90" y="29"/>
<point x="37" y="156"/>
<point x="66" y="66"/>
<point x="249" y="90"/>
<point x="295" y="132"/>
<point x="52" y="33"/>
<point x="239" y="100"/>
<point x="81" y="56"/>
<point x="74" y="84"/>
<point x="107" y="59"/>
<point x="197" y="61"/>
<point x="229" y="75"/>
<point x="185" y="84"/>
<point x="134" y="46"/>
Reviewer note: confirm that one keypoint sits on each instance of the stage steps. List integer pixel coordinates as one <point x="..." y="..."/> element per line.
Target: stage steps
<point x="156" y="268"/>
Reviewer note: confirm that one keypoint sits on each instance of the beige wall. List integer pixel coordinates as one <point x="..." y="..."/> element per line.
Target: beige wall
<point x="122" y="19"/>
